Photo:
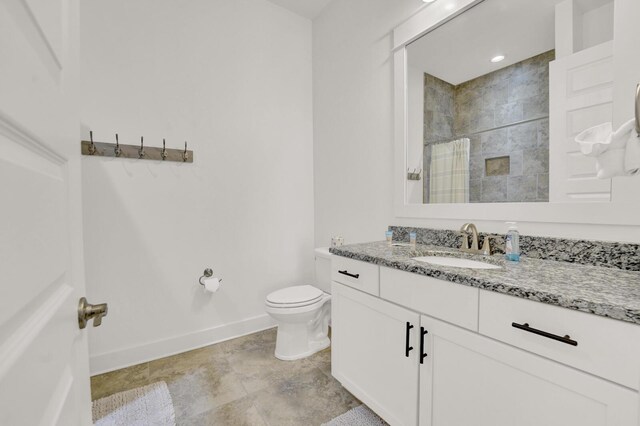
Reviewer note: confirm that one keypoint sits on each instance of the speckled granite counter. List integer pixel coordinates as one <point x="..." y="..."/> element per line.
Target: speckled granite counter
<point x="608" y="292"/>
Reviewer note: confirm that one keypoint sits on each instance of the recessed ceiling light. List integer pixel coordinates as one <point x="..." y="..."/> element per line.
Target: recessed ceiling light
<point x="497" y="58"/>
<point x="428" y="1"/>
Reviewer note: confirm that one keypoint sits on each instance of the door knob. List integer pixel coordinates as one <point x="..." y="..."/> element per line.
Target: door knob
<point x="87" y="311"/>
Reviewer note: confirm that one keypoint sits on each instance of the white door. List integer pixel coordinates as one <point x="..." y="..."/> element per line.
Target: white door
<point x="371" y="341"/>
<point x="44" y="375"/>
<point x="468" y="379"/>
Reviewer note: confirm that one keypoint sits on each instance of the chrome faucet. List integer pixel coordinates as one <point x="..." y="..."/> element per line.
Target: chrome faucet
<point x="464" y="231"/>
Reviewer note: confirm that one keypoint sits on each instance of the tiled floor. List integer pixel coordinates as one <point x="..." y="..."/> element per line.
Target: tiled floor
<point x="239" y="382"/>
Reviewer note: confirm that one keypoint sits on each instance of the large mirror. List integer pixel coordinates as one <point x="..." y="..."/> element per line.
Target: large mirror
<point x="478" y="100"/>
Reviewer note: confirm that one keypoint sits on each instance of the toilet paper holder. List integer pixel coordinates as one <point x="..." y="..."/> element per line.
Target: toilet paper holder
<point x="208" y="273"/>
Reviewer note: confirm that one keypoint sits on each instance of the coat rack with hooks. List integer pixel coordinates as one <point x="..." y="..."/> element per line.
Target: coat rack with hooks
<point x="140" y="152"/>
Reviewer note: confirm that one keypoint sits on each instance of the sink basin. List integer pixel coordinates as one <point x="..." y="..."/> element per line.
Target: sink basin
<point x="456" y="262"/>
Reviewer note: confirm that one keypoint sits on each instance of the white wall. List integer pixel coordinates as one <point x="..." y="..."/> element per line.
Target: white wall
<point x="353" y="129"/>
<point x="597" y="25"/>
<point x="627" y="36"/>
<point x="234" y="79"/>
<point x="353" y="117"/>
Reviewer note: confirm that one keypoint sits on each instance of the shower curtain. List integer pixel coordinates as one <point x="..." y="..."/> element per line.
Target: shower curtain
<point x="449" y="172"/>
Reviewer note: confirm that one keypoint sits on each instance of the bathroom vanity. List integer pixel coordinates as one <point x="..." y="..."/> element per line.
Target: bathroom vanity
<point x="539" y="342"/>
<point x="554" y="339"/>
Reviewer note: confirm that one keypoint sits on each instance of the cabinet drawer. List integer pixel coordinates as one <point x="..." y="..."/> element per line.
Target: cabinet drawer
<point x="354" y="273"/>
<point x="451" y="302"/>
<point x="605" y="347"/>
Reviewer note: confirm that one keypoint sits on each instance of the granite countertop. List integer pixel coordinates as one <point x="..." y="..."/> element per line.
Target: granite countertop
<point x="608" y="292"/>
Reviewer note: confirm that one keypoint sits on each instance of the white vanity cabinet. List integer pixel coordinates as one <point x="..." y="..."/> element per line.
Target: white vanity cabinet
<point x="374" y="353"/>
<point x="604" y="347"/>
<point x="469" y="379"/>
<point x="472" y="374"/>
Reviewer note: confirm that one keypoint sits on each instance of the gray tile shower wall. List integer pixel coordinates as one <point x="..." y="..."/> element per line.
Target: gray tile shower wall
<point x="439" y="101"/>
<point x="505" y="97"/>
<point x="624" y="256"/>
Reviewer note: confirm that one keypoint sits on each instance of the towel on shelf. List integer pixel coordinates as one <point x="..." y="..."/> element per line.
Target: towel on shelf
<point x="617" y="153"/>
<point x="632" y="155"/>
<point x="595" y="140"/>
<point x="610" y="163"/>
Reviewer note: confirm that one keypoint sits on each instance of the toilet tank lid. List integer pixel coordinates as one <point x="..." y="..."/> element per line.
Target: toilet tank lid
<point x="323" y="252"/>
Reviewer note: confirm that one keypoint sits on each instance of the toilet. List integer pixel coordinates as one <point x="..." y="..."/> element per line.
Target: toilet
<point x="303" y="313"/>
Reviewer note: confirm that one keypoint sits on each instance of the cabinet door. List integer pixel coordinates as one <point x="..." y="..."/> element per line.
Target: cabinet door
<point x="369" y="353"/>
<point x="468" y="379"/>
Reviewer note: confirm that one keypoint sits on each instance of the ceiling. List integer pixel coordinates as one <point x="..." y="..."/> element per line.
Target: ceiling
<point x="461" y="49"/>
<point x="307" y="8"/>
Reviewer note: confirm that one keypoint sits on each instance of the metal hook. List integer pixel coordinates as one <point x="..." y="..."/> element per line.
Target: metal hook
<point x="185" y="154"/>
<point x="163" y="154"/>
<point x="92" y="147"/>
<point x="141" y="150"/>
<point x="117" y="150"/>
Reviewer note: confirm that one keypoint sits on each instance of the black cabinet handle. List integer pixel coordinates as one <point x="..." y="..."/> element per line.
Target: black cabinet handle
<point x="407" y="348"/>
<point x="345" y="272"/>
<point x="564" y="339"/>
<point x="423" y="355"/>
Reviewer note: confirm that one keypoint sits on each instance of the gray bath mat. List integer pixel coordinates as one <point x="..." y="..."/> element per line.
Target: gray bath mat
<point x="149" y="405"/>
<point x="359" y="416"/>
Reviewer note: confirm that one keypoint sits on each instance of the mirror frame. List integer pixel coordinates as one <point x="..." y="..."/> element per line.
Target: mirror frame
<point x="425" y="20"/>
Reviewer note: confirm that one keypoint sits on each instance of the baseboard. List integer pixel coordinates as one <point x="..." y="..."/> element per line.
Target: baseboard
<point x="105" y="362"/>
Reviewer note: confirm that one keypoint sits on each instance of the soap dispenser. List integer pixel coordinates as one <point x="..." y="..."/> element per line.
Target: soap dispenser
<point x="512" y="243"/>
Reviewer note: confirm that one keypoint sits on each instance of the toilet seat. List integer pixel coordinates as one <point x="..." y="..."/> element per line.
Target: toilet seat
<point x="294" y="297"/>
